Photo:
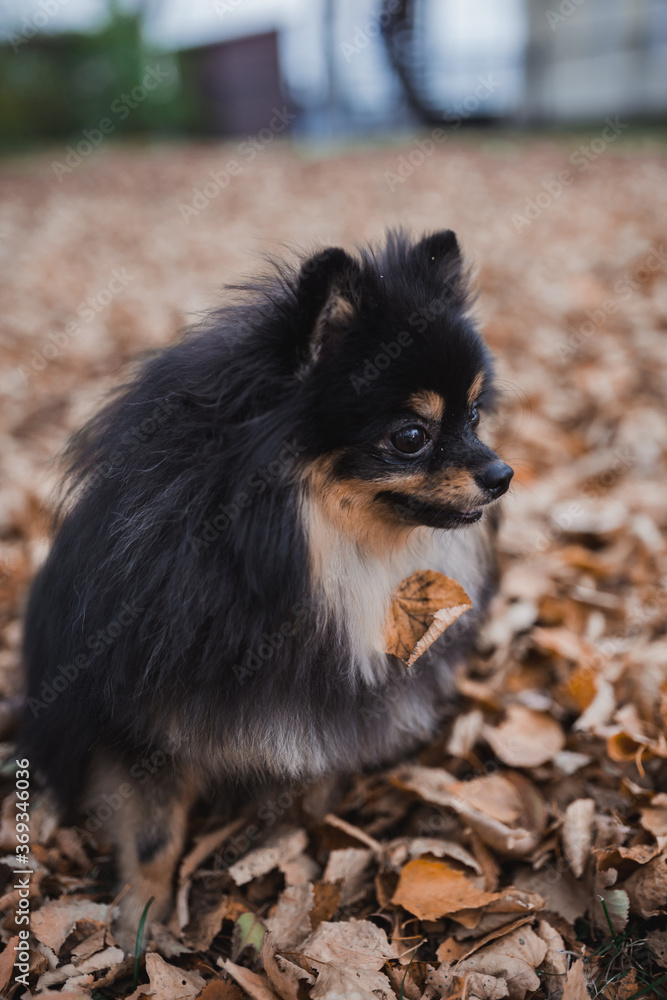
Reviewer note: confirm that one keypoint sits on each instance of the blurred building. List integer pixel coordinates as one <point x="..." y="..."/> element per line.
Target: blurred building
<point x="590" y="58"/>
<point x="341" y="67"/>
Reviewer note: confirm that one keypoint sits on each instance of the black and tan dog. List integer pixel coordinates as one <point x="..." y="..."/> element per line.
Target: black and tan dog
<point x="238" y="519"/>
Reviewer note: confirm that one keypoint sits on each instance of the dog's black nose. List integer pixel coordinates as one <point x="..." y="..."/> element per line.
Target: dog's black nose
<point x="495" y="478"/>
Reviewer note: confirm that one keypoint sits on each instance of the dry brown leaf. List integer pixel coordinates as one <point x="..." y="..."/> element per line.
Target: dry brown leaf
<point x="402" y="849"/>
<point x="346" y="982"/>
<point x="438" y="982"/>
<point x="525" y="738"/>
<point x="54" y="921"/>
<point x="626" y="988"/>
<point x="563" y="642"/>
<point x="647" y="888"/>
<point x="431" y="889"/>
<point x="575" y="984"/>
<point x="7" y="958"/>
<point x="499" y="916"/>
<point x="476" y="986"/>
<point x="466" y="730"/>
<point x="289" y="922"/>
<point x="555" y="959"/>
<point x="578" y="690"/>
<point x="282" y="847"/>
<point x="514" y="958"/>
<point x="488" y="805"/>
<point x="423" y="606"/>
<point x="348" y="957"/>
<point x="257" y="987"/>
<point x="221" y="989"/>
<point x="349" y="868"/>
<point x="355" y="832"/>
<point x="327" y="901"/>
<point x="657" y="942"/>
<point x="300" y="869"/>
<point x="626" y="859"/>
<point x="445" y="982"/>
<point x="654" y="816"/>
<point x="168" y="982"/>
<point x="358" y="943"/>
<point x="205" y="926"/>
<point x="451" y="950"/>
<point x="286" y="977"/>
<point x="577" y="833"/>
<point x="631" y="743"/>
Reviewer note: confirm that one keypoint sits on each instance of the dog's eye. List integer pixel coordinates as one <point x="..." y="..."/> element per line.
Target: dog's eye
<point x="474" y="415"/>
<point x="410" y="440"/>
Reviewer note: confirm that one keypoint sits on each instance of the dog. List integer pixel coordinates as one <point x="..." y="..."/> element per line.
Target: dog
<point x="237" y="520"/>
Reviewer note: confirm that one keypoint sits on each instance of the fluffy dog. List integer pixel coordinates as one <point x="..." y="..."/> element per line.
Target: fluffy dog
<point x="238" y="519"/>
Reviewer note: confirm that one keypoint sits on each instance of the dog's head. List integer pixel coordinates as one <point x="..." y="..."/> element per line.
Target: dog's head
<point x="393" y="378"/>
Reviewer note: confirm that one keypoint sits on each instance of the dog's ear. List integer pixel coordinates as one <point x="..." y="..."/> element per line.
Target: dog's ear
<point x="439" y="254"/>
<point x="327" y="292"/>
<point x="439" y="249"/>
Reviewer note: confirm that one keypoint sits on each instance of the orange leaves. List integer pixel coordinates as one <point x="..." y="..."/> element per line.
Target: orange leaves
<point x="424" y="605"/>
<point x="431" y="889"/>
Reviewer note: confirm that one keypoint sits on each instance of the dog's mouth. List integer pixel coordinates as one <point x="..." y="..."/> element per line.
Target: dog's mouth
<point x="414" y="510"/>
<point x="469" y="516"/>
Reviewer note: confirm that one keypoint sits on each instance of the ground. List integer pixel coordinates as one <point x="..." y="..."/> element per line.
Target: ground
<point x="524" y="853"/>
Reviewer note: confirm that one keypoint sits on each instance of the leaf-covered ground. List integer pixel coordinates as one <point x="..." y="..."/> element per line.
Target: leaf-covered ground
<point x="524" y="853"/>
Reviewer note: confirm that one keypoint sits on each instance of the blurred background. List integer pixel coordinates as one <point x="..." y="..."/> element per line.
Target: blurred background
<point x="345" y="67"/>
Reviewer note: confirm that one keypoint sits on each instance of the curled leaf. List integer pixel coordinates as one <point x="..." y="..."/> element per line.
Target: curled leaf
<point x="423" y="606"/>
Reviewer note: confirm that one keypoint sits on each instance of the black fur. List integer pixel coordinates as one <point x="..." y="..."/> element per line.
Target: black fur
<point x="181" y="547"/>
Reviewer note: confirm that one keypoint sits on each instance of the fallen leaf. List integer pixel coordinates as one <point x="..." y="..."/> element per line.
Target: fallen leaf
<point x="7" y="958"/>
<point x="355" y="832"/>
<point x="575" y="983"/>
<point x="280" y="848"/>
<point x="488" y="805"/>
<point x="496" y="915"/>
<point x="525" y="738"/>
<point x="53" y="922"/>
<point x="289" y="922"/>
<point x="221" y="989"/>
<point x="555" y="959"/>
<point x="577" y="833"/>
<point x="513" y="958"/>
<point x="626" y="988"/>
<point x="647" y="888"/>
<point x="168" y="982"/>
<point x="348" y="867"/>
<point x="248" y="932"/>
<point x="358" y="943"/>
<point x="205" y="925"/>
<point x="431" y="889"/>
<point x="480" y="987"/>
<point x="402" y="849"/>
<point x="257" y="987"/>
<point x="423" y="606"/>
<point x="654" y="817"/>
<point x="657" y="942"/>
<point x="286" y="977"/>
<point x="348" y="957"/>
<point x="346" y="982"/>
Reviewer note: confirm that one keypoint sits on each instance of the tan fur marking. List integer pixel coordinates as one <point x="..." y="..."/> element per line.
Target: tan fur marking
<point x="456" y="489"/>
<point x="132" y="815"/>
<point x="349" y="506"/>
<point x="475" y="388"/>
<point x="429" y="405"/>
<point x="337" y="312"/>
